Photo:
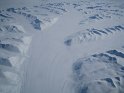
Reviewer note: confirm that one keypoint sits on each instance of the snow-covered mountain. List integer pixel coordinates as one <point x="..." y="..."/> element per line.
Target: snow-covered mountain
<point x="53" y="46"/>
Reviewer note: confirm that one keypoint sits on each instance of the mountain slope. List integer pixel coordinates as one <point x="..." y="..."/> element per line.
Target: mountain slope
<point x="73" y="46"/>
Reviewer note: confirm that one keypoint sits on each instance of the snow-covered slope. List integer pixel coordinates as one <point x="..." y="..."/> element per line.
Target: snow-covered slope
<point x="53" y="46"/>
<point x="14" y="43"/>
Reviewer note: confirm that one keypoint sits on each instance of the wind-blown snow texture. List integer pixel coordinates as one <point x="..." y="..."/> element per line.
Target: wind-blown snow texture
<point x="73" y="46"/>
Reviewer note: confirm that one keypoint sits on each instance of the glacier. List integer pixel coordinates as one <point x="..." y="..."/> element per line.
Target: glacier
<point x="62" y="46"/>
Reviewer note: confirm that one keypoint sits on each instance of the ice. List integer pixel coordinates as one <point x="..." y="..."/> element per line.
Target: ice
<point x="61" y="46"/>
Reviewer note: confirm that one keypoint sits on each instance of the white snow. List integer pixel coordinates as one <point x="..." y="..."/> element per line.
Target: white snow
<point x="62" y="46"/>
